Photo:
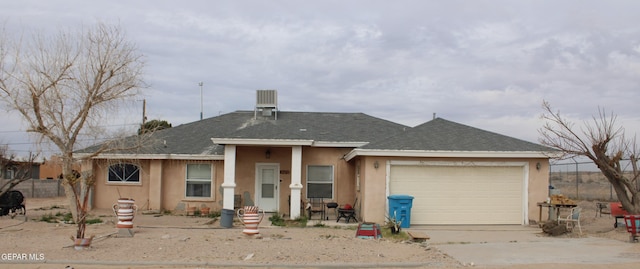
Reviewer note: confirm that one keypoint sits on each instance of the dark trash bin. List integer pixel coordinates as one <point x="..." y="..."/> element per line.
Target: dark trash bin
<point x="226" y="218"/>
<point x="401" y="204"/>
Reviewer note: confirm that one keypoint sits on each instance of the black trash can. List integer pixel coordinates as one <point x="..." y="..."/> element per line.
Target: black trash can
<point x="226" y="218"/>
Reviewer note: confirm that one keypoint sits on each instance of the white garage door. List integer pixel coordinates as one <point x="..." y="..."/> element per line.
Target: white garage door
<point x="461" y="194"/>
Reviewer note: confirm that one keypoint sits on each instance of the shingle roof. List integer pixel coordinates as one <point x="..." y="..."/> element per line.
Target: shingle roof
<point x="436" y="135"/>
<point x="443" y="135"/>
<point x="195" y="137"/>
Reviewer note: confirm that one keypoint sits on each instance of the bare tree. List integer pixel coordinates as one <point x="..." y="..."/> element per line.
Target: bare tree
<point x="604" y="143"/>
<point x="64" y="86"/>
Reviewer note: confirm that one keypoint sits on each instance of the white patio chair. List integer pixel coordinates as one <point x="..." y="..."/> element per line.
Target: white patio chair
<point x="572" y="220"/>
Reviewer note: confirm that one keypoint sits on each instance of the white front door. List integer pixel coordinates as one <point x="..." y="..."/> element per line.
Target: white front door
<point x="267" y="185"/>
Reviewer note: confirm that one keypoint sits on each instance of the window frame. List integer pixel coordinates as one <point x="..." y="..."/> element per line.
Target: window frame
<point x="125" y="182"/>
<point x="199" y="180"/>
<point x="331" y="182"/>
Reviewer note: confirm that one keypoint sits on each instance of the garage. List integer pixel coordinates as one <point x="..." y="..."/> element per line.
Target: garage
<point x="461" y="193"/>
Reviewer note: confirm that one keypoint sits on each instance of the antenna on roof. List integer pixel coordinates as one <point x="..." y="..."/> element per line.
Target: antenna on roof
<point x="200" y="84"/>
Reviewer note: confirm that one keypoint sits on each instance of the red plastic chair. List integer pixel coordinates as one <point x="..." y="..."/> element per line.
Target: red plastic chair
<point x="633" y="226"/>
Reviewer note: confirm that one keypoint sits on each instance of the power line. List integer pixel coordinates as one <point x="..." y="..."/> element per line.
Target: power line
<point x="110" y="125"/>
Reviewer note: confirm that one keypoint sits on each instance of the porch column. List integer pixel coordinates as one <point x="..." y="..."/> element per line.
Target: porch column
<point x="155" y="184"/>
<point x="229" y="184"/>
<point x="296" y="181"/>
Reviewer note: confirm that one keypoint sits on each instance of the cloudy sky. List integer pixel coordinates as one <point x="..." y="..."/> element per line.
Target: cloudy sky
<point x="488" y="64"/>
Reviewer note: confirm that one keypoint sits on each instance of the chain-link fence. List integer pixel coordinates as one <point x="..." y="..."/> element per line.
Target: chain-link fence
<point x="580" y="181"/>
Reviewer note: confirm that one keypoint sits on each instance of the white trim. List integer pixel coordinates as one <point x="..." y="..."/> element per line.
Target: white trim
<point x="525" y="177"/>
<point x="271" y="142"/>
<point x="258" y="186"/>
<point x="333" y="179"/>
<point x="124" y="183"/>
<point x="447" y="154"/>
<point x="455" y="163"/>
<point x="155" y="156"/>
<point x="338" y="144"/>
<point x="229" y="184"/>
<point x="211" y="181"/>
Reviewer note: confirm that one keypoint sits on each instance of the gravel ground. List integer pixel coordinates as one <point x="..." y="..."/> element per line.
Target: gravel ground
<point x="181" y="241"/>
<point x="175" y="241"/>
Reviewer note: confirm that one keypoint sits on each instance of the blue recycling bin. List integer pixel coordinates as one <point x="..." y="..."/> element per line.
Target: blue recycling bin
<point x="401" y="204"/>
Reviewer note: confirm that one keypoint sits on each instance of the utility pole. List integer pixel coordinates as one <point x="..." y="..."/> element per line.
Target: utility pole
<point x="144" y="111"/>
<point x="200" y="99"/>
<point x="144" y="115"/>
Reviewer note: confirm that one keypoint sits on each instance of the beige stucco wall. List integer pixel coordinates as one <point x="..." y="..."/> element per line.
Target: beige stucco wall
<point x="371" y="193"/>
<point x="344" y="173"/>
<point x="105" y="194"/>
<point x="173" y="186"/>
<point x="162" y="184"/>
<point x="374" y="184"/>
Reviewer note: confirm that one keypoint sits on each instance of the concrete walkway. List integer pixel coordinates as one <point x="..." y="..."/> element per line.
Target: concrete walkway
<point x="510" y="245"/>
<point x="503" y="245"/>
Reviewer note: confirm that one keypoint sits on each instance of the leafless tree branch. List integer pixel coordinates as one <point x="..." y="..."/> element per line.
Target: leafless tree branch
<point x="604" y="143"/>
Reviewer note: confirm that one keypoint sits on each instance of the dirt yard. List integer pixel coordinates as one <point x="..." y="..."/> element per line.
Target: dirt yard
<point x="176" y="241"/>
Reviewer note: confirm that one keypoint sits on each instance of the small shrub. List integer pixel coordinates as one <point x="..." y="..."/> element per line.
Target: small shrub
<point x="214" y="214"/>
<point x="276" y="219"/>
<point x="400" y="236"/>
<point x="68" y="217"/>
<point x="94" y="221"/>
<point x="50" y="218"/>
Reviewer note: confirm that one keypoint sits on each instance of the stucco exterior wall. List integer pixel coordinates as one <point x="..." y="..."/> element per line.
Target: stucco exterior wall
<point x="373" y="189"/>
<point x="364" y="178"/>
<point x="106" y="194"/>
<point x="374" y="184"/>
<point x="174" y="184"/>
<point x="344" y="173"/>
<point x="538" y="188"/>
<point x="162" y="184"/>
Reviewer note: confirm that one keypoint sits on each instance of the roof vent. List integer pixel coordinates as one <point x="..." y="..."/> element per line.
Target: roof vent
<point x="266" y="103"/>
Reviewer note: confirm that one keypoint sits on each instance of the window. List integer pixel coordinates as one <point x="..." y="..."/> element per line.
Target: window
<point x="198" y="180"/>
<point x="9" y="173"/>
<point x="320" y="181"/>
<point x="124" y="173"/>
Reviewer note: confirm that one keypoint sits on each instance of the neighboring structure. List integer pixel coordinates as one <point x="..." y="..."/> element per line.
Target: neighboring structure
<point x="52" y="168"/>
<point x="11" y="169"/>
<point x="276" y="160"/>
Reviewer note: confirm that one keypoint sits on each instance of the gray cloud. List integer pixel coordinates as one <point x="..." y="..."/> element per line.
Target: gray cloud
<point x="484" y="63"/>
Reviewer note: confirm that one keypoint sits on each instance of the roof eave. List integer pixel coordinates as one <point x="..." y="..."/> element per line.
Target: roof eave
<point x="448" y="154"/>
<point x="112" y="156"/>
<point x="267" y="142"/>
<point x="329" y="144"/>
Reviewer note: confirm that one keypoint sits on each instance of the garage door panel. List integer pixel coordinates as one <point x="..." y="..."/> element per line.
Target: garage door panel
<point x="461" y="194"/>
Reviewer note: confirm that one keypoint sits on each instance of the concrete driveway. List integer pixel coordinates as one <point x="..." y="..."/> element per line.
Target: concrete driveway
<point x="510" y="245"/>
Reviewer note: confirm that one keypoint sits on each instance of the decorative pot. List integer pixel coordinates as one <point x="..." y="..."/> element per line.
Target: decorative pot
<point x="251" y="218"/>
<point x="191" y="211"/>
<point x="204" y="211"/>
<point x="125" y="210"/>
<point x="82" y="243"/>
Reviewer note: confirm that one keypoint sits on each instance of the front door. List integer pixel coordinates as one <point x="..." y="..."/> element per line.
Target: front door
<point x="267" y="184"/>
